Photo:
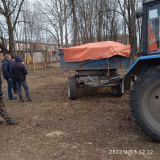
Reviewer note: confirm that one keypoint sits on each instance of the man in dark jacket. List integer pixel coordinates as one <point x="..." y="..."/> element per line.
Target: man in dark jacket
<point x="14" y="82"/>
<point x="7" y="74"/>
<point x="19" y="73"/>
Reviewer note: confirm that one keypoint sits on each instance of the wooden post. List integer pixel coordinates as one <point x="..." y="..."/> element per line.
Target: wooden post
<point x="25" y="63"/>
<point x="29" y="67"/>
<point x="34" y="65"/>
<point x="44" y="63"/>
<point x="37" y="63"/>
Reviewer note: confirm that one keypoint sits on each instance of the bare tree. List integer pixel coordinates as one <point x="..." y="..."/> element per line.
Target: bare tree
<point x="96" y="20"/>
<point x="54" y="13"/>
<point x="73" y="10"/>
<point x="65" y="21"/>
<point x="130" y="20"/>
<point x="7" y="9"/>
<point x="85" y="21"/>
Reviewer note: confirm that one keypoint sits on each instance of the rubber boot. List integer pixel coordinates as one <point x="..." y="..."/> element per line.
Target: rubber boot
<point x="21" y="99"/>
<point x="12" y="122"/>
<point x="29" y="98"/>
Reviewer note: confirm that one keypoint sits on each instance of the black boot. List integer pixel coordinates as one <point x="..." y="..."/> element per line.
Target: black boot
<point x="12" y="122"/>
<point x="21" y="99"/>
<point x="29" y="98"/>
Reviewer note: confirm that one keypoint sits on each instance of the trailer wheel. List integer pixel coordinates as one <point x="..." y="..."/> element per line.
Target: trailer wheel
<point x="145" y="102"/>
<point x="72" y="88"/>
<point x="116" y="90"/>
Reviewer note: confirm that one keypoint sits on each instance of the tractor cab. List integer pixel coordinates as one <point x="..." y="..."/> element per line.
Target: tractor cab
<point x="151" y="28"/>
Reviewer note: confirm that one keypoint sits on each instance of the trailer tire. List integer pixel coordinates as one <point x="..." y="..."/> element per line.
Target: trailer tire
<point x="144" y="102"/>
<point x="117" y="91"/>
<point x="72" y="88"/>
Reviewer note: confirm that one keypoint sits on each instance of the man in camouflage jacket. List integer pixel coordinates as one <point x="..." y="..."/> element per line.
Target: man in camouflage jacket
<point x="3" y="111"/>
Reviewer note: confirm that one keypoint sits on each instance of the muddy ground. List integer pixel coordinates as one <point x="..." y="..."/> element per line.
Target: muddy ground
<point x="96" y="126"/>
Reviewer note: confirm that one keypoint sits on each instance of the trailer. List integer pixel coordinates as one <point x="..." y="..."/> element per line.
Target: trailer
<point x="101" y="72"/>
<point x="144" y="100"/>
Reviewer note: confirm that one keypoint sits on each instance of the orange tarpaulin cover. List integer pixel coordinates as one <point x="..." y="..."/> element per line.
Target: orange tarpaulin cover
<point x="96" y="51"/>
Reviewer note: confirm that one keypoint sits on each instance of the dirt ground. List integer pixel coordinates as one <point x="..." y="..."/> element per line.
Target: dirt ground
<point x="96" y="126"/>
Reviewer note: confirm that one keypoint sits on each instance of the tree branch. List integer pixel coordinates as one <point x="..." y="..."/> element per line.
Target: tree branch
<point x="14" y="24"/>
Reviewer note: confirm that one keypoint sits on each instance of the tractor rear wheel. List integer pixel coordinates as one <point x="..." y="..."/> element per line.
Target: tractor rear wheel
<point x="145" y="102"/>
<point x="72" y="88"/>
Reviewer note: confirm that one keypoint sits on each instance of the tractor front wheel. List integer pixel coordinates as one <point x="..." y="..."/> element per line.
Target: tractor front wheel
<point x="145" y="102"/>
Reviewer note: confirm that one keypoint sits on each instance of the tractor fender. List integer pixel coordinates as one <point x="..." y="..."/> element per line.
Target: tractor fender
<point x="141" y="65"/>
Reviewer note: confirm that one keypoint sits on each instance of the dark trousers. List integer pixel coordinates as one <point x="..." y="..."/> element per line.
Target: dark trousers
<point x="25" y="87"/>
<point x="14" y="86"/>
<point x="10" y="95"/>
<point x="1" y="93"/>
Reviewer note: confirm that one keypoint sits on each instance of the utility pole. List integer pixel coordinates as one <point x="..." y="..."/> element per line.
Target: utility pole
<point x="125" y="36"/>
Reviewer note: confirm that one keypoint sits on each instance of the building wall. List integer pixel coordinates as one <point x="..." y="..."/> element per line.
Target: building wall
<point x="36" y="46"/>
<point x="54" y="58"/>
<point x="38" y="56"/>
<point x="44" y="47"/>
<point x="41" y="51"/>
<point x="22" y="46"/>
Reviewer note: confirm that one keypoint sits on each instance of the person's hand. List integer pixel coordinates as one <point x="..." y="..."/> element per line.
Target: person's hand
<point x="9" y="79"/>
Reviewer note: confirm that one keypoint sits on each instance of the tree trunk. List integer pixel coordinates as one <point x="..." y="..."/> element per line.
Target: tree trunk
<point x="74" y="23"/>
<point x="65" y="21"/>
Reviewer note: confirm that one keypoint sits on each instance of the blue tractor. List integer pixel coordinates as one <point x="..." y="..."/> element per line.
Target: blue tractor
<point x="144" y="98"/>
<point x="144" y="101"/>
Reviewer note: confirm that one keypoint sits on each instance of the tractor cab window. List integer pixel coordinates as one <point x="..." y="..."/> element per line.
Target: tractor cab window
<point x="154" y="29"/>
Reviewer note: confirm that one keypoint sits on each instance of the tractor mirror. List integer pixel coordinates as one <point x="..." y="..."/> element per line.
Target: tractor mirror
<point x="138" y="13"/>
